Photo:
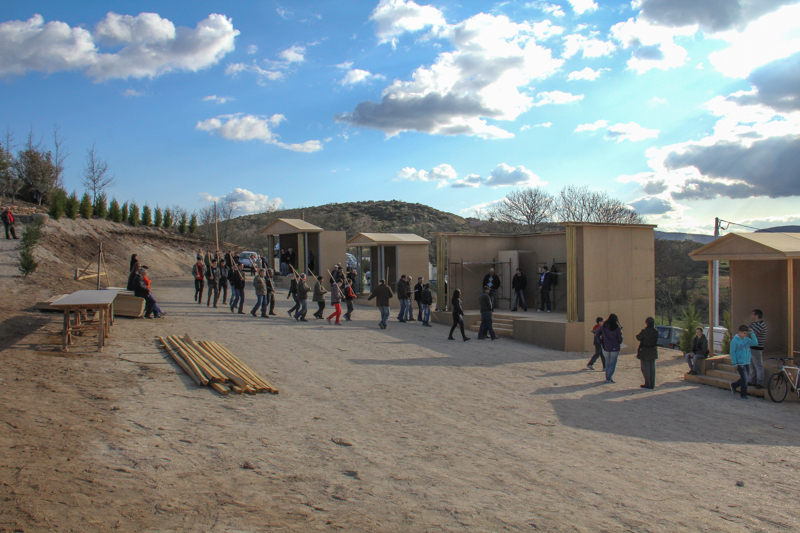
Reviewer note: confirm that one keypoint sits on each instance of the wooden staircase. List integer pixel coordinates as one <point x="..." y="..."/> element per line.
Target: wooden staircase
<point x="720" y="373"/>
<point x="501" y="326"/>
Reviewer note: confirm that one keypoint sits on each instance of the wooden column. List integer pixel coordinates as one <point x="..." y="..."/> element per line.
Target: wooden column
<point x="711" y="308"/>
<point x="441" y="271"/>
<point x="572" y="273"/>
<point x="302" y="262"/>
<point x="790" y="306"/>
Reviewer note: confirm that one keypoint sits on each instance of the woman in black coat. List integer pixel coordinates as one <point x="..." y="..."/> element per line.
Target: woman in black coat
<point x="458" y="316"/>
<point x="648" y="352"/>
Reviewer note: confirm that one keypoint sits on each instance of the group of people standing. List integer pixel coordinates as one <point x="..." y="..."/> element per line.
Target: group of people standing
<point x="608" y="342"/>
<point x="519" y="283"/>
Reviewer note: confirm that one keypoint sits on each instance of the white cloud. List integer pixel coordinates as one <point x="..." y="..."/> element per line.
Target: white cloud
<point x="557" y="97"/>
<point x="711" y="15"/>
<point x="132" y="93"/>
<point x="345" y="65"/>
<point x="585" y="74"/>
<point x="218" y="99"/>
<point x="545" y="29"/>
<point x="589" y="47"/>
<point x="480" y="208"/>
<point x="393" y="18"/>
<point x="354" y="76"/>
<point x="552" y="9"/>
<point x="283" y="12"/>
<point x="151" y="46"/>
<point x="246" y="202"/>
<point x="630" y="132"/>
<point x="494" y="61"/>
<point x="652" y="46"/>
<point x="592" y="127"/>
<point x="241" y="127"/>
<point x="582" y="6"/>
<point x="507" y="176"/>
<point x="295" y="54"/>
<point x="252" y="49"/>
<point x="440" y="174"/>
<point x="470" y="181"/>
<point x="262" y="75"/>
<point x="656" y="101"/>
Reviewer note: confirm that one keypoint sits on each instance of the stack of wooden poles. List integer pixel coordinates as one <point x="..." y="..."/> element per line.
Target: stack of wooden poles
<point x="209" y="363"/>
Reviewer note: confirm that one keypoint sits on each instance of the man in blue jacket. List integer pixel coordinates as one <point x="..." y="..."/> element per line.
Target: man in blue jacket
<point x="740" y="358"/>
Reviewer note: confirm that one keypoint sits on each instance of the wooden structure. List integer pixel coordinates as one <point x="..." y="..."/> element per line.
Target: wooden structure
<point x="76" y="307"/>
<point x="88" y="273"/>
<point x="390" y="256"/>
<point x="600" y="269"/>
<point x="763" y="272"/>
<point x="302" y="237"/>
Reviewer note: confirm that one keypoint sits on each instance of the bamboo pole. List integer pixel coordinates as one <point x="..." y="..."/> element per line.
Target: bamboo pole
<point x="181" y="363"/>
<point x="99" y="258"/>
<point x="239" y="366"/>
<point x="189" y="362"/>
<point x="216" y="228"/>
<point x="244" y="365"/>
<point x="233" y="365"/>
<point x="208" y="369"/>
<point x="215" y="364"/>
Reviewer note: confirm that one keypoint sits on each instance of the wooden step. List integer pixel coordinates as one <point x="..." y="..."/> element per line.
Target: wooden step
<point x="499" y="330"/>
<point x="723" y="383"/>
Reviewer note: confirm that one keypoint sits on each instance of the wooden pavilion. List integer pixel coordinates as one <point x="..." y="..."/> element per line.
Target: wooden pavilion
<point x="302" y="237"/>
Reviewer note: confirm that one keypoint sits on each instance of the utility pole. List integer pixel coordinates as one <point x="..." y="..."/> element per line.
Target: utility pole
<point x="216" y="230"/>
<point x="716" y="278"/>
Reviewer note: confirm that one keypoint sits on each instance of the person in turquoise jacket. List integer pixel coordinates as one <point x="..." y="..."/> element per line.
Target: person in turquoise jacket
<point x="740" y="358"/>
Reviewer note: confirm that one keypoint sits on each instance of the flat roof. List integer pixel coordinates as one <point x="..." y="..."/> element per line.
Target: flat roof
<point x="386" y="239"/>
<point x="556" y="232"/>
<point x="761" y="246"/>
<point x="284" y="226"/>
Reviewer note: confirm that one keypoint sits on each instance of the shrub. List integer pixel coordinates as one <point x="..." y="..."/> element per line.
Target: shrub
<point x="114" y="211"/>
<point x="167" y="218"/>
<point x="158" y="218"/>
<point x="72" y="206"/>
<point x="147" y="216"/>
<point x="86" y="206"/>
<point x="30" y="237"/>
<point x="182" y="226"/>
<point x="691" y="321"/>
<point x="133" y="214"/>
<point x="57" y="200"/>
<point x="100" y="209"/>
<point x="193" y="224"/>
<point x="124" y="212"/>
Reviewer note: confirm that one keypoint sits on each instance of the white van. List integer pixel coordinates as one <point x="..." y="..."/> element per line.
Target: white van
<point x="719" y="332"/>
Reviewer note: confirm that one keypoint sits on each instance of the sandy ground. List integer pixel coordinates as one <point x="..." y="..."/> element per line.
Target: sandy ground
<point x="446" y="436"/>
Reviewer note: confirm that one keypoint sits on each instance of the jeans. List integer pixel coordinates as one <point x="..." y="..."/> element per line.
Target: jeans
<point x="271" y="301"/>
<point x="742" y="383"/>
<point x="261" y="301"/>
<point x="385" y="311"/>
<point x="301" y="313"/>
<point x="419" y="309"/>
<point x="402" y="315"/>
<point x="545" y="293"/>
<point x="223" y="287"/>
<point x="598" y="354"/>
<point x="337" y="312"/>
<point x="198" y="290"/>
<point x="212" y="289"/>
<point x="350" y="309"/>
<point x="296" y="305"/>
<point x="756" y="367"/>
<point x="237" y="299"/>
<point x="520" y="296"/>
<point x="491" y="297"/>
<point x="611" y="363"/>
<point x="649" y="373"/>
<point x="486" y="325"/>
<point x="409" y="309"/>
<point x="426" y="314"/>
<point x="693" y="360"/>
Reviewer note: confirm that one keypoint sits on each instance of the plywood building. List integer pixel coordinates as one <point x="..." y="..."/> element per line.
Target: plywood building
<point x="600" y="268"/>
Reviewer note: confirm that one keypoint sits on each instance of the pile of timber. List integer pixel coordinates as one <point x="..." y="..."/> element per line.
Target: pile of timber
<point x="209" y="363"/>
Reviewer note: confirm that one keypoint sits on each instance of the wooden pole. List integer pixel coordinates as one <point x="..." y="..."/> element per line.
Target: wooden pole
<point x="216" y="229"/>
<point x="790" y="301"/>
<point x="99" y="258"/>
<point x="711" y="307"/>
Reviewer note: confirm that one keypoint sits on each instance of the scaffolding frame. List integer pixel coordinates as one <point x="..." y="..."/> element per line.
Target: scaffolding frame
<point x="456" y="277"/>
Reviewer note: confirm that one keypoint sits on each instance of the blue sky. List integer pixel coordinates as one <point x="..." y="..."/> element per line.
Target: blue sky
<point x="686" y="110"/>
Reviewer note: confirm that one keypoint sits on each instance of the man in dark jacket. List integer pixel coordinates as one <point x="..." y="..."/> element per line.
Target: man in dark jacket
<point x="485" y="302"/>
<point x="545" y="282"/>
<point x="270" y="280"/>
<point x="418" y="288"/>
<point x="492" y="281"/>
<point x="140" y="290"/>
<point x="648" y="352"/>
<point x="382" y="294"/>
<point x="302" y="299"/>
<point x="699" y="351"/>
<point x="224" y="274"/>
<point x="8" y="223"/>
<point x="402" y="295"/>
<point x="237" y="284"/>
<point x="519" y="282"/>
<point x="212" y="278"/>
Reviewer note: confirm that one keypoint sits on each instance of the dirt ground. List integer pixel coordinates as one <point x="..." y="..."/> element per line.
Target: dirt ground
<point x="445" y="436"/>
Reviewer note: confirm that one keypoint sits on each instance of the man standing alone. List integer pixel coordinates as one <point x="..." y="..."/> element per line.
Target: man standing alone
<point x="493" y="282"/>
<point x="485" y="302"/>
<point x="519" y="282"/>
<point x="382" y="294"/>
<point x="8" y="223"/>
<point x="759" y="327"/>
<point x="545" y="282"/>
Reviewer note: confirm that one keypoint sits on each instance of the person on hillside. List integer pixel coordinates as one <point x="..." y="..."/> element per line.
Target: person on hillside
<point x="8" y="223"/>
<point x="199" y="280"/>
<point x="157" y="312"/>
<point x="293" y="294"/>
<point x="349" y="298"/>
<point x="319" y="296"/>
<point x="492" y="281"/>
<point x="741" y="344"/>
<point x="611" y="338"/>
<point x="224" y="274"/>
<point x="238" y="283"/>
<point x="699" y="351"/>
<point x="418" y="288"/>
<point x="382" y="294"/>
<point x="336" y="301"/>
<point x="518" y="283"/>
<point x="485" y="301"/>
<point x="427" y="301"/>
<point x="597" y="333"/>
<point x="545" y="283"/>
<point x="302" y="298"/>
<point x="212" y="278"/>
<point x="759" y="328"/>
<point x="270" y="280"/>
<point x="648" y="352"/>
<point x="140" y="290"/>
<point x="402" y="296"/>
<point x="458" y="316"/>
<point x="260" y="286"/>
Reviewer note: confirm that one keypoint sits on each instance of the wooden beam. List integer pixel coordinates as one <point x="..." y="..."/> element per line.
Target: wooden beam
<point x="790" y="306"/>
<point x="441" y="272"/>
<point x="572" y="274"/>
<point x="711" y="307"/>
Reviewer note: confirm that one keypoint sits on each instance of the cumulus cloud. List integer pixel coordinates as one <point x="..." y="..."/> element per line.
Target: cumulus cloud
<point x="241" y="127"/>
<point x="589" y="47"/>
<point x="393" y="18"/>
<point x="470" y="181"/>
<point x="439" y="174"/>
<point x="594" y="126"/>
<point x="218" y="99"/>
<point x="653" y="205"/>
<point x="262" y="75"/>
<point x="630" y="132"/>
<point x="356" y="75"/>
<point x="541" y="125"/>
<point x="246" y="202"/>
<point x="776" y="84"/>
<point x="711" y="15"/>
<point x="507" y="176"/>
<point x="551" y="9"/>
<point x="150" y="46"/>
<point x="482" y="79"/>
<point x="295" y="54"/>
<point x="582" y="6"/>
<point x="132" y="93"/>
<point x="556" y="97"/>
<point x="652" y="46"/>
<point x="585" y="74"/>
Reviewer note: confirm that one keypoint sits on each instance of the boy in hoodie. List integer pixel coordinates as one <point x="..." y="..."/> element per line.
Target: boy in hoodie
<point x="740" y="358"/>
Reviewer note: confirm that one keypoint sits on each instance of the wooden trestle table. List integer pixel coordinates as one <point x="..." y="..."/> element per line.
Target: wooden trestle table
<point x="77" y="304"/>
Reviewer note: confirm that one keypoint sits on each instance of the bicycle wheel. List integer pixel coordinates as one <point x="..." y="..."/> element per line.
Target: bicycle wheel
<point x="778" y="387"/>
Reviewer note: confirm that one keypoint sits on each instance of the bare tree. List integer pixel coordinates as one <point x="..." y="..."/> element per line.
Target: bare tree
<point x="95" y="174"/>
<point x="530" y="207"/>
<point x="579" y="204"/>
<point x="60" y="154"/>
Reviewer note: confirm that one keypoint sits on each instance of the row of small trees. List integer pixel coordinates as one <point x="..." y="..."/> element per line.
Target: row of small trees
<point x="69" y="206"/>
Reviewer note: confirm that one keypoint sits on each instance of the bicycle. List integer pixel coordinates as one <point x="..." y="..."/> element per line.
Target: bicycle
<point x="780" y="382"/>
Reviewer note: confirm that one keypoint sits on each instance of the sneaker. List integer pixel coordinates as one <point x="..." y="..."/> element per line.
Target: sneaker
<point x="610" y="381"/>
<point x="733" y="388"/>
<point x="273" y="314"/>
<point x="538" y="310"/>
<point x="303" y="320"/>
<point x="745" y="398"/>
<point x="289" y="313"/>
<point x="467" y="338"/>
<point x="589" y="367"/>
<point x="450" y="338"/>
<point x="253" y="313"/>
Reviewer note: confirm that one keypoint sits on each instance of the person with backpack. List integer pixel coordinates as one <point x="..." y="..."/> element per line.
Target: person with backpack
<point x="349" y="297"/>
<point x="198" y="271"/>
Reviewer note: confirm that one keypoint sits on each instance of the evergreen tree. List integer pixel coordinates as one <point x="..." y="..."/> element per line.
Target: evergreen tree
<point x="72" y="206"/>
<point x="124" y="212"/>
<point x="167" y="218"/>
<point x="691" y="321"/>
<point x="133" y="214"/>
<point x="100" y="206"/>
<point x="86" y="206"/>
<point x="114" y="212"/>
<point x="158" y="218"/>
<point x="182" y="226"/>
<point x="57" y="200"/>
<point x="193" y="224"/>
<point x="147" y="216"/>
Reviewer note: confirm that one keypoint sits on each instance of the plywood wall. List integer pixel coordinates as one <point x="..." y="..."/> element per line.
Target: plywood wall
<point x="763" y="285"/>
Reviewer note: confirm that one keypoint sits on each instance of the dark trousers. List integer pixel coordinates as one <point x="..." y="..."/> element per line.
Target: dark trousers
<point x="742" y="383"/>
<point x="149" y="305"/>
<point x="486" y="325"/>
<point x="649" y="373"/>
<point x="457" y="321"/>
<point x="224" y="288"/>
<point x="212" y="289"/>
<point x="321" y="310"/>
<point x="419" y="307"/>
<point x="198" y="290"/>
<point x="296" y="305"/>
<point x="10" y="228"/>
<point x="545" y="299"/>
<point x="598" y="353"/>
<point x="271" y="302"/>
<point x="350" y="309"/>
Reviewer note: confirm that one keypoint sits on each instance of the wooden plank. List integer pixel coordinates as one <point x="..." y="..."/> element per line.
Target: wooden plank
<point x="210" y="372"/>
<point x="87" y="298"/>
<point x="220" y="389"/>
<point x="790" y="306"/>
<point x="273" y="389"/>
<point x="177" y="358"/>
<point x="220" y="367"/>
<point x="233" y="363"/>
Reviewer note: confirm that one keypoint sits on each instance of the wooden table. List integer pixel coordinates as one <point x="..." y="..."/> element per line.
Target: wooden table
<point x="78" y="303"/>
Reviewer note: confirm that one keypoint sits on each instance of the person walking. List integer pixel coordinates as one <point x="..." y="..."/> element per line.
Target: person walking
<point x="518" y="283"/>
<point x="545" y="283"/>
<point x="699" y="351"/>
<point x="336" y="301"/>
<point x="349" y="298"/>
<point x="402" y="297"/>
<point x="427" y="301"/>
<point x="492" y="281"/>
<point x="458" y="316"/>
<point x="597" y="333"/>
<point x="418" y="288"/>
<point x="382" y="294"/>
<point x="237" y="284"/>
<point x="293" y="294"/>
<point x="260" y="286"/>
<point x="8" y="223"/>
<point x="485" y="301"/>
<point x="319" y="296"/>
<point x="224" y="274"/>
<point x="648" y="352"/>
<point x="409" y="300"/>
<point x="270" y="281"/>
<point x="212" y="278"/>
<point x="759" y="328"/>
<point x="284" y="266"/>
<point x="611" y="335"/>
<point x="302" y="299"/>
<point x="741" y="344"/>
<point x="199" y="280"/>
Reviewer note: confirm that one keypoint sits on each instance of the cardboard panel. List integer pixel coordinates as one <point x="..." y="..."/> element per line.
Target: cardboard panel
<point x="761" y="285"/>
<point x="332" y="250"/>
